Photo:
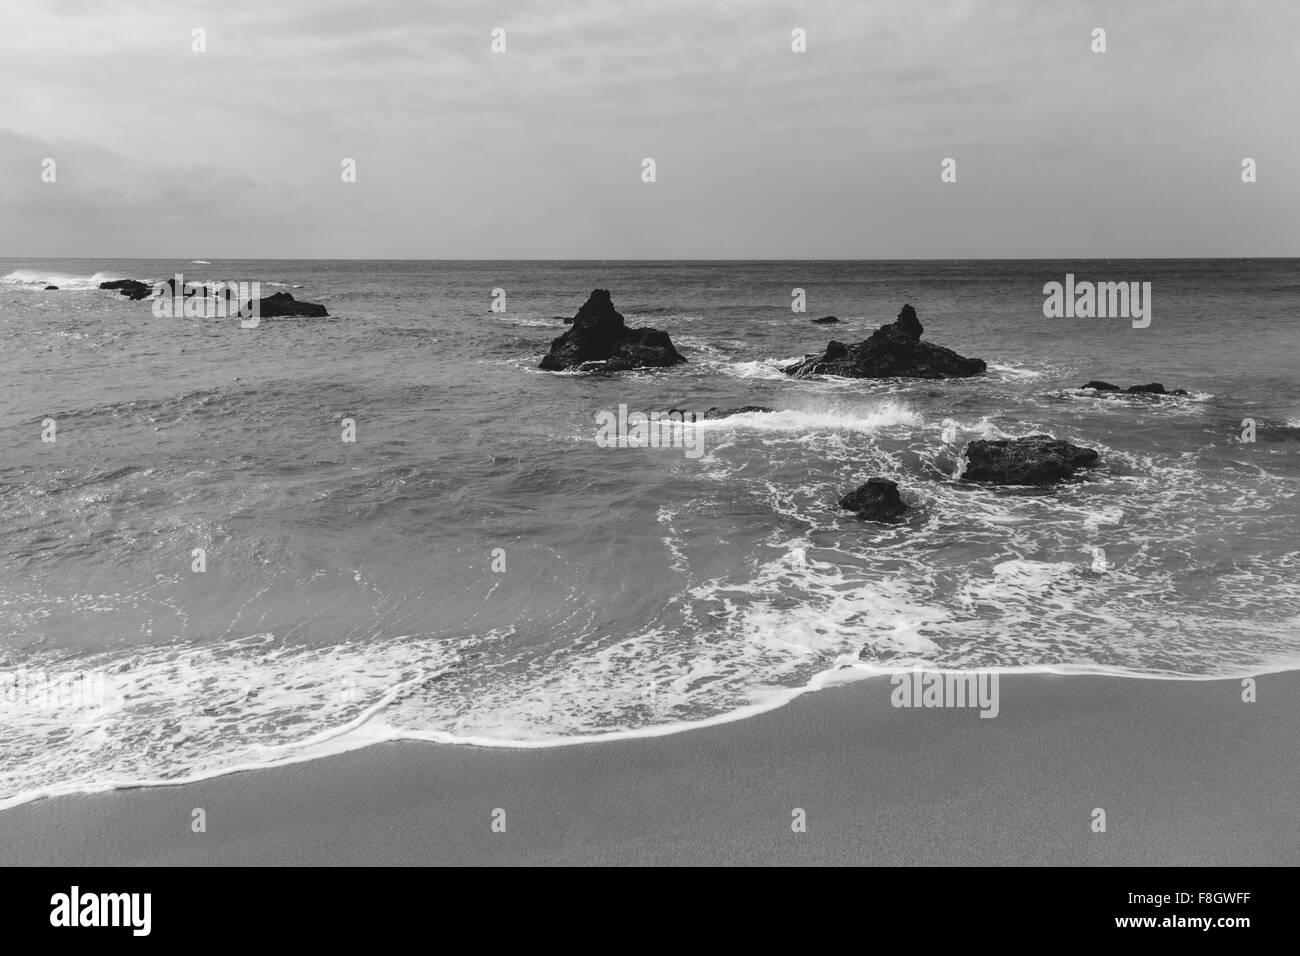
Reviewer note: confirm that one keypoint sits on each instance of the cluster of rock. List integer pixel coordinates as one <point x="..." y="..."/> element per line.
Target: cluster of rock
<point x="131" y="288"/>
<point x="601" y="341"/>
<point x="1034" y="460"/>
<point x="272" y="306"/>
<point x="1155" y="388"/>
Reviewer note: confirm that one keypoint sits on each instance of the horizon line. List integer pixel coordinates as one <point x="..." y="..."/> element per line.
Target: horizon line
<point x="684" y="260"/>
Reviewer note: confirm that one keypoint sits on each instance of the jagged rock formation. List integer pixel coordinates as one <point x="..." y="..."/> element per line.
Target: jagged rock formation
<point x="599" y="336"/>
<point x="892" y="351"/>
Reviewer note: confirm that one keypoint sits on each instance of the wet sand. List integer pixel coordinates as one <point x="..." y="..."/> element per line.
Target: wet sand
<point x="1186" y="772"/>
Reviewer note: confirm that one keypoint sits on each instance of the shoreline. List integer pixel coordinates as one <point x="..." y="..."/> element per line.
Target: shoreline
<point x="356" y="735"/>
<point x="878" y="785"/>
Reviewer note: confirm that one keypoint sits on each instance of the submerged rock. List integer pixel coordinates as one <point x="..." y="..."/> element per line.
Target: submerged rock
<point x="283" y="304"/>
<point x="877" y="500"/>
<point x="1155" y="388"/>
<point x="599" y="335"/>
<point x="51" y="288"/>
<point x="1036" y="460"/>
<point x="716" y="412"/>
<point x="825" y="320"/>
<point x="892" y="351"/>
<point x="131" y="288"/>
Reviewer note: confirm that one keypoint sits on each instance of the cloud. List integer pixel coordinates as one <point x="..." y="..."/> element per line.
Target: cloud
<point x="761" y="151"/>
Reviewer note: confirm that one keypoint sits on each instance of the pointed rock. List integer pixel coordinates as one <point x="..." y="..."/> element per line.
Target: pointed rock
<point x="599" y="335"/>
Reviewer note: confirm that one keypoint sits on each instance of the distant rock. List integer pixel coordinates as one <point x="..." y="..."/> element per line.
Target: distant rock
<point x="1155" y="388"/>
<point x="877" y="500"/>
<point x="716" y="412"/>
<point x="825" y="320"/>
<point x="283" y="304"/>
<point x="133" y="289"/>
<point x="51" y="288"/>
<point x="892" y="351"/>
<point x="600" y="336"/>
<point x="1036" y="460"/>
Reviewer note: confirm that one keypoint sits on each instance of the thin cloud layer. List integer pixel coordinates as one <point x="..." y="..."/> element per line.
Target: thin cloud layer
<point x="759" y="151"/>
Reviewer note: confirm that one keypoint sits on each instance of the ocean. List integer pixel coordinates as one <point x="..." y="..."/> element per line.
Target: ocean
<point x="477" y="568"/>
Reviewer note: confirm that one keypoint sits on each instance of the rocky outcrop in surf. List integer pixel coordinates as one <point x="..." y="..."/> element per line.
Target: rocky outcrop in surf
<point x="51" y="288"/>
<point x="1035" y="460"/>
<point x="133" y="289"/>
<point x="892" y="351"/>
<point x="877" y="500"/>
<point x="1155" y="388"/>
<point x="283" y="304"/>
<point x="716" y="412"/>
<point x="826" y="320"/>
<point x="600" y="338"/>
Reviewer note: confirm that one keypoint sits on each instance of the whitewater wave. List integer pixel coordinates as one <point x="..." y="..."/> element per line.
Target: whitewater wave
<point x="829" y="418"/>
<point x="38" y="279"/>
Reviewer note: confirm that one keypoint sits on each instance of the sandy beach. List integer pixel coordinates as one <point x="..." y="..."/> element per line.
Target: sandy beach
<point x="1186" y="772"/>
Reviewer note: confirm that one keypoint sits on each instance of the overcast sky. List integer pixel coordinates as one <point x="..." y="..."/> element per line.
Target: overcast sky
<point x="760" y="151"/>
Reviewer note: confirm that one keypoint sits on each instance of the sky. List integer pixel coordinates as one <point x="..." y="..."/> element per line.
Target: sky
<point x="759" y="151"/>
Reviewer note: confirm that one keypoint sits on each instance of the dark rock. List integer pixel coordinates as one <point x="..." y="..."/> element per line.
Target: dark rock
<point x="825" y="320"/>
<point x="716" y="412"/>
<point x="877" y="500"/>
<point x="51" y="288"/>
<point x="892" y="351"/>
<point x="283" y="304"/>
<point x="133" y="289"/>
<point x="1036" y="460"/>
<point x="1155" y="388"/>
<point x="908" y="324"/>
<point x="599" y="335"/>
